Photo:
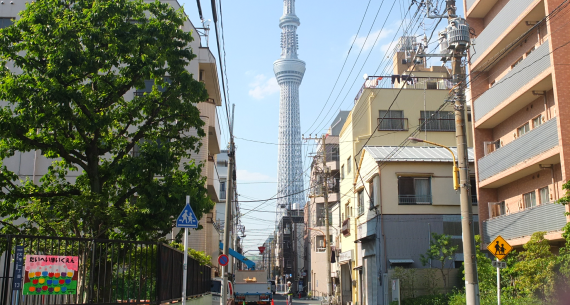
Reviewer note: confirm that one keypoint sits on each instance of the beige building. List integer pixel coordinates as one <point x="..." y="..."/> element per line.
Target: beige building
<point x="315" y="242"/>
<point x="393" y="192"/>
<point x="33" y="165"/>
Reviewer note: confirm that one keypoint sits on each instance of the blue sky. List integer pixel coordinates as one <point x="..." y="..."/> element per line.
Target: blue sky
<point x="328" y="29"/>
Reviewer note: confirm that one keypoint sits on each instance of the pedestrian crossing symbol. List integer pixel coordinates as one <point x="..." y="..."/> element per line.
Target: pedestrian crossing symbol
<point x="187" y="218"/>
<point x="499" y="247"/>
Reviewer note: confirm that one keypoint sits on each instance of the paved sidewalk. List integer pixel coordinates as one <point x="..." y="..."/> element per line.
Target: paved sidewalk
<point x="282" y="300"/>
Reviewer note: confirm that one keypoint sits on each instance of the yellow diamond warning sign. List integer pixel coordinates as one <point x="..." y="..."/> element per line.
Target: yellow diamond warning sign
<point x="499" y="247"/>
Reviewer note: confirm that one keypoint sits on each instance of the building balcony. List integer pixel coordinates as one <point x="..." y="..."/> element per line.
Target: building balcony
<point x="545" y="217"/>
<point x="386" y="82"/>
<point x="506" y="26"/>
<point x="478" y="8"/>
<point x="414" y="199"/>
<point x="208" y="110"/>
<point x="514" y="91"/>
<point x="520" y="154"/>
<point x="213" y="181"/>
<point x="437" y="124"/>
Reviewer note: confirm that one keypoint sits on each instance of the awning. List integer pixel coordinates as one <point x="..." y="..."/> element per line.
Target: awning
<point x="357" y="268"/>
<point x="400" y="261"/>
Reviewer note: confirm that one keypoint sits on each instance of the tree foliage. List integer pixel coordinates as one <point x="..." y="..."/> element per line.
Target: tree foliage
<point x="442" y="251"/>
<point x="73" y="65"/>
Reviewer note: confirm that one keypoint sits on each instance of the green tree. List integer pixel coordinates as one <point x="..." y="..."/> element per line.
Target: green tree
<point x="440" y="250"/>
<point x="74" y="63"/>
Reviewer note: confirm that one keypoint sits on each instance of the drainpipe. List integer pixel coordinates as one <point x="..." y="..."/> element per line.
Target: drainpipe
<point x="546" y="110"/>
<point x="551" y="167"/>
<point x="34" y="173"/>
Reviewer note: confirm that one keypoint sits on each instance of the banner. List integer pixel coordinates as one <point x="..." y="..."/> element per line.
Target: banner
<point x="50" y="275"/>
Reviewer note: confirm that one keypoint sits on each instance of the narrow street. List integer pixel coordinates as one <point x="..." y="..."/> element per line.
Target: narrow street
<point x="279" y="299"/>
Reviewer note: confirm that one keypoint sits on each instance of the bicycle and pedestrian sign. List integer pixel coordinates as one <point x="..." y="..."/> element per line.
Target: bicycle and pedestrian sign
<point x="499" y="247"/>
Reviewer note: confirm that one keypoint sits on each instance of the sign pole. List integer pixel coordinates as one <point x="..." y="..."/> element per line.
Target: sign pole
<point x="498" y="283"/>
<point x="185" y="270"/>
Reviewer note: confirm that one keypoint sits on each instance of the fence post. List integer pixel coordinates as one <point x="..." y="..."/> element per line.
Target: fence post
<point x="91" y="267"/>
<point x="158" y="271"/>
<point x="7" y="262"/>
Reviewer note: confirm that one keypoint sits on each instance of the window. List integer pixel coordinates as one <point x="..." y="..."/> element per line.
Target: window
<point x="537" y="121"/>
<point x="371" y="188"/>
<point x="473" y="190"/>
<point x="529" y="200"/>
<point x="335" y="155"/>
<point x="437" y="121"/>
<point x="222" y="189"/>
<point x="496" y="209"/>
<point x="529" y="51"/>
<point x="342" y="172"/>
<point x="523" y="129"/>
<point x="544" y="195"/>
<point x="348" y="165"/>
<point x="392" y="120"/>
<point x="516" y="62"/>
<point x="492" y="146"/>
<point x="6" y="22"/>
<point x="412" y="190"/>
<point x="361" y="202"/>
<point x="431" y="85"/>
<point x="320" y="244"/>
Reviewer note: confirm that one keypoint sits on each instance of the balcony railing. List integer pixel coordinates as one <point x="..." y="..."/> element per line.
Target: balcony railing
<point x="393" y="124"/>
<point x="531" y="144"/>
<point x="437" y="124"/>
<point x="545" y="217"/>
<point x="414" y="199"/>
<point x="386" y="82"/>
<point x="474" y="199"/>
<point x="523" y="73"/>
<point x="503" y="20"/>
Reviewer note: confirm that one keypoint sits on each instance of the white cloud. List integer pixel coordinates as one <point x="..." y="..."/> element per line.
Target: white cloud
<point x="245" y="175"/>
<point x="365" y="44"/>
<point x="263" y="87"/>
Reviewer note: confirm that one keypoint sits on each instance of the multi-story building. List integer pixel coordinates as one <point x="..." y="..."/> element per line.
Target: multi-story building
<point x="394" y="193"/>
<point x="315" y="242"/>
<point x="289" y="248"/>
<point x="33" y="165"/>
<point x="519" y="97"/>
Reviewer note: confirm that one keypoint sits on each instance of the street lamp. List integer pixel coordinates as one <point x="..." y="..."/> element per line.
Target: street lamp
<point x="455" y="169"/>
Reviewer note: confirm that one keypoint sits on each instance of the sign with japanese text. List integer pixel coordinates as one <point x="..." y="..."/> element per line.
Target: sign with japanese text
<point x="18" y="268"/>
<point x="50" y="275"/>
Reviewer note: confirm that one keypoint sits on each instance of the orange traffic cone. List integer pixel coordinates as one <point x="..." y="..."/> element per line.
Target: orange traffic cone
<point x="272" y="303"/>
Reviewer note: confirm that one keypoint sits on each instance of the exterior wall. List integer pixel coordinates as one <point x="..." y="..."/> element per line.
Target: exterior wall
<point x="521" y="106"/>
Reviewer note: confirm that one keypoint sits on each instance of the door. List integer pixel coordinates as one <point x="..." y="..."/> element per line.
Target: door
<point x="371" y="281"/>
<point x="346" y="283"/>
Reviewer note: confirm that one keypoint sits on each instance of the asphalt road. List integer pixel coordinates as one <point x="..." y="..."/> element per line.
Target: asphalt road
<point x="282" y="300"/>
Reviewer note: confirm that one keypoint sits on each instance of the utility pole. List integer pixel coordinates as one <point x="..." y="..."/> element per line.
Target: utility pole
<point x="327" y="220"/>
<point x="457" y="30"/>
<point x="229" y="200"/>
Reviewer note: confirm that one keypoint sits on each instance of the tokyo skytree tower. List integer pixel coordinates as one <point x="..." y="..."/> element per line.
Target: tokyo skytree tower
<point x="289" y="71"/>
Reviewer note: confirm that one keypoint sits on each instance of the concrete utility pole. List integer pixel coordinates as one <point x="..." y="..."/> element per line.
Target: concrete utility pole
<point x="229" y="200"/>
<point x="327" y="220"/>
<point x="455" y="35"/>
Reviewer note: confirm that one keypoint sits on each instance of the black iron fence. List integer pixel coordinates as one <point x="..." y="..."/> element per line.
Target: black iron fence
<point x="108" y="272"/>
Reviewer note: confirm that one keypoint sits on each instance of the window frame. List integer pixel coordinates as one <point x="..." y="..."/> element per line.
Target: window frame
<point x="409" y="199"/>
<point x="12" y="19"/>
<point x="360" y="202"/>
<point x="547" y="195"/>
<point x="532" y="195"/>
<point x="538" y="119"/>
<point x="527" y="125"/>
<point x="349" y="164"/>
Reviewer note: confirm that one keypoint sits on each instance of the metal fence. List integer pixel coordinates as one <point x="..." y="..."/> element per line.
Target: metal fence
<point x="109" y="272"/>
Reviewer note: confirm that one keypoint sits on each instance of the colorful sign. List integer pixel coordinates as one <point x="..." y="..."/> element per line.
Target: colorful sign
<point x="50" y="275"/>
<point x="499" y="247"/>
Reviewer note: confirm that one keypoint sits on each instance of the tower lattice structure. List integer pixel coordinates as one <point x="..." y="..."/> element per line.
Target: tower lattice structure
<point x="289" y="71"/>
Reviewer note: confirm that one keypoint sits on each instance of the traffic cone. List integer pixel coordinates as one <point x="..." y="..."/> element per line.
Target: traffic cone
<point x="272" y="303"/>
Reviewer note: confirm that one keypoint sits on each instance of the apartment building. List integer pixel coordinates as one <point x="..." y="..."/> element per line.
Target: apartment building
<point x="315" y="242"/>
<point x="519" y="105"/>
<point x="290" y="248"/>
<point x="33" y="165"/>
<point x="394" y="193"/>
